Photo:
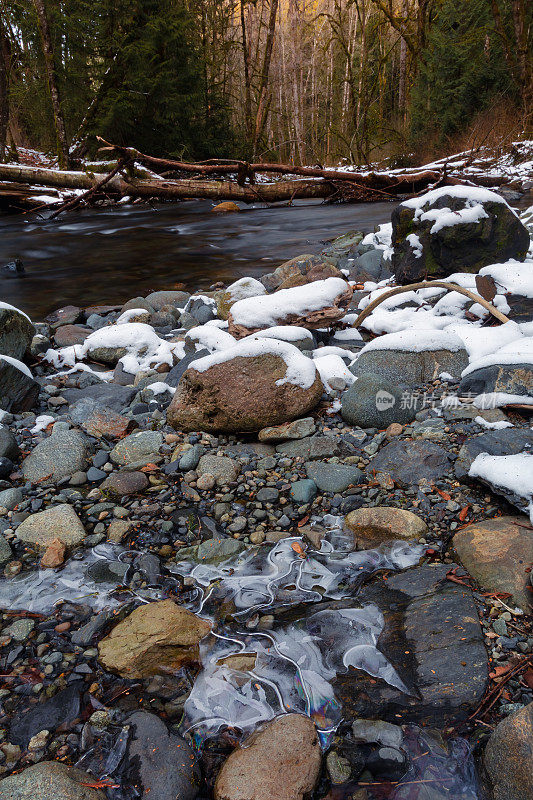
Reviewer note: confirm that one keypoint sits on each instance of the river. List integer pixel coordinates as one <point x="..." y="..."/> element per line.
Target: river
<point x="109" y="255"/>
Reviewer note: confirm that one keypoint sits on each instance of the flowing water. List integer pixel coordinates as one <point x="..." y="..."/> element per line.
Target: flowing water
<point x="92" y="257"/>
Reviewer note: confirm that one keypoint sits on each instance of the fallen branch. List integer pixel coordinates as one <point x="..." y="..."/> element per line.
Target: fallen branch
<point x="451" y="287"/>
<point x="70" y="204"/>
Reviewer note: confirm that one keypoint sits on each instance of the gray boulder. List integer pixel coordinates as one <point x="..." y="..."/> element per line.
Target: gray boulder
<point x="16" y="333"/>
<point x="410" y="462"/>
<point x="473" y="239"/>
<point x="62" y="454"/>
<point x="136" y="447"/>
<point x="391" y="357"/>
<point x="375" y="402"/>
<point x="516" y="379"/>
<point x="18" y="391"/>
<point x="333" y="478"/>
<point x="504" y="442"/>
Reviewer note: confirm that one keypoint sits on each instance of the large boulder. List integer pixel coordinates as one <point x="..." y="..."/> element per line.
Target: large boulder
<point x="299" y="271"/>
<point x="498" y="554"/>
<point x="245" y="388"/>
<point x="499" y="442"/>
<point x="433" y="639"/>
<point x="375" y="402"/>
<point x="154" y="638"/>
<point x="16" y="331"/>
<point x="454" y="229"/>
<point x="318" y="305"/>
<point x="508" y="758"/>
<point x="413" y="357"/>
<point x="507" y="379"/>
<point x="50" y="780"/>
<point x="62" y="454"/>
<point x="281" y="760"/>
<point x="18" y="390"/>
<point x="58" y="522"/>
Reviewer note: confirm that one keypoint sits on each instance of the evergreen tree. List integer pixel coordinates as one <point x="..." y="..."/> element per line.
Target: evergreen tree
<point x="463" y="69"/>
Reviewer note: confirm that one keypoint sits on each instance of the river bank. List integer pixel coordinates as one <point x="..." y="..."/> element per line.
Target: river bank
<point x="224" y="507"/>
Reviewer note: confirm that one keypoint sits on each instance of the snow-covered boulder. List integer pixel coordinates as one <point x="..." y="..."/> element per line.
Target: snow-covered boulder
<point x="299" y="271"/>
<point x="16" y="331"/>
<point x="248" y="387"/>
<point x="413" y="357"/>
<point x="315" y="305"/>
<point x="454" y="228"/>
<point x="244" y="287"/>
<point x="504" y="376"/>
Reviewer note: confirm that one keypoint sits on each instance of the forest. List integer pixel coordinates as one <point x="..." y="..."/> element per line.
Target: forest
<point x="316" y="82"/>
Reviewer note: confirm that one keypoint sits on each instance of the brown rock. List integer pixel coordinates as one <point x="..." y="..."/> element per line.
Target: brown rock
<point x="106" y="422"/>
<point x="225" y="397"/>
<point x="394" y="429"/>
<point x="118" y="530"/>
<point x="153" y="639"/>
<point x="508" y="759"/>
<point x="224" y="208"/>
<point x="299" y="271"/>
<point x="67" y="335"/>
<point x="281" y="761"/>
<point x="373" y="526"/>
<point x="497" y="553"/>
<point x="122" y="484"/>
<point x="54" y="555"/>
<point x="244" y="662"/>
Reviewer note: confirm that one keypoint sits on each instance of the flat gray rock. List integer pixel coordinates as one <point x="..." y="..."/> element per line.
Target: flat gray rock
<point x="62" y="454"/>
<point x="49" y="780"/>
<point x="136" y="447"/>
<point x="333" y="477"/>
<point x="410" y="462"/>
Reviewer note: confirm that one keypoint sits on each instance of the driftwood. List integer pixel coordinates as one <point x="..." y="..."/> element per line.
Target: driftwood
<point x="451" y="287"/>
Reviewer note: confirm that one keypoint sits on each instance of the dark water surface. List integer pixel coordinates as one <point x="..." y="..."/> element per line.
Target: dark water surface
<point x="110" y="255"/>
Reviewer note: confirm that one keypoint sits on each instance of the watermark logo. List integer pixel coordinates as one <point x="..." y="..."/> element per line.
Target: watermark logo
<point x="384" y="400"/>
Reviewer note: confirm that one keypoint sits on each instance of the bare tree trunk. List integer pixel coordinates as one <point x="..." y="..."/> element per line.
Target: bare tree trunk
<point x="5" y="65"/>
<point x="247" y="84"/>
<point x="51" y="73"/>
<point x="262" y="107"/>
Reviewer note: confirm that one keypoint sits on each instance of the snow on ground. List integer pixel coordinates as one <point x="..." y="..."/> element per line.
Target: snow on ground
<point x="331" y="365"/>
<point x="514" y="277"/>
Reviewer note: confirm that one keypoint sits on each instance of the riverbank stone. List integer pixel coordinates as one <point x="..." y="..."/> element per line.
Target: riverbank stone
<point x="373" y="526"/>
<point x="58" y="522"/>
<point x="136" y="447"/>
<point x="375" y="402"/>
<point x="16" y="333"/>
<point x="280" y="760"/>
<point x="498" y="553"/>
<point x="508" y="757"/>
<point x="154" y="638"/>
<point x="61" y="454"/>
<point x="50" y="780"/>
<point x="224" y="397"/>
<point x="410" y="462"/>
<point x="333" y="478"/>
